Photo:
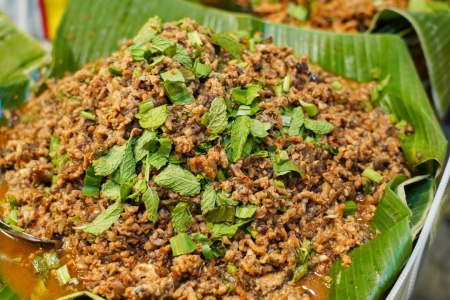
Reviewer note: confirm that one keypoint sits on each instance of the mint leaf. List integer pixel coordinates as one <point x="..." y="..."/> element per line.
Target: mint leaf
<point x="229" y="43"/>
<point x="178" y="180"/>
<point x="111" y="190"/>
<point x="144" y="139"/>
<point x="182" y="56"/>
<point x="239" y="133"/>
<point x="151" y="202"/>
<point x="108" y="163"/>
<point x="165" y="146"/>
<point x="178" y="93"/>
<point x="245" y="96"/>
<point x="259" y="129"/>
<point x="91" y="184"/>
<point x="224" y="198"/>
<point x="166" y="46"/>
<point x="297" y="121"/>
<point x="209" y="197"/>
<point x="319" y="126"/>
<point x="181" y="217"/>
<point x="282" y="167"/>
<point x="218" y="230"/>
<point x="154" y="117"/>
<point x="157" y="161"/>
<point x="104" y="220"/>
<point x="148" y="31"/>
<point x="216" y="118"/>
<point x="173" y="75"/>
<point x="246" y="211"/>
<point x="127" y="167"/>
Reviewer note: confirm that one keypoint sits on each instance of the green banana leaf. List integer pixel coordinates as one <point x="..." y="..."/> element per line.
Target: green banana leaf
<point x="433" y="31"/>
<point x="6" y="293"/>
<point x="19" y="53"/>
<point x="90" y="29"/>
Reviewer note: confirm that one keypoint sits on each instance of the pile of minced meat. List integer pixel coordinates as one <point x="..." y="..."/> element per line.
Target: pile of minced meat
<point x="332" y="15"/>
<point x="199" y="165"/>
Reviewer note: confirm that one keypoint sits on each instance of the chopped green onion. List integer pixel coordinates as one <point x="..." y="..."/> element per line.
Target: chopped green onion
<point x="194" y="38"/>
<point x="283" y="208"/>
<point x="39" y="265"/>
<point x="372" y="175"/>
<point x="244" y="110"/>
<point x="139" y="52"/>
<point x="224" y="213"/>
<point x="246" y="211"/>
<point x="286" y="120"/>
<point x="375" y="94"/>
<point x="393" y="118"/>
<point x="310" y="108"/>
<point x="156" y="60"/>
<point x="278" y="183"/>
<point x="16" y="228"/>
<point x="87" y="115"/>
<point x="201" y="70"/>
<point x="336" y="85"/>
<point x="63" y="276"/>
<point x="367" y="187"/>
<point x="350" y="208"/>
<point x="278" y="89"/>
<point x="115" y="71"/>
<point x="145" y="106"/>
<point x="91" y="185"/>
<point x="281" y="156"/>
<point x="137" y="73"/>
<point x="286" y="84"/>
<point x="252" y="232"/>
<point x="251" y="45"/>
<point x="231" y="268"/>
<point x="384" y="83"/>
<point x="261" y="154"/>
<point x="297" y="12"/>
<point x="165" y="147"/>
<point x="221" y="175"/>
<point x="401" y="124"/>
<point x="13" y="202"/>
<point x="52" y="260"/>
<point x="182" y="244"/>
<point x="18" y="259"/>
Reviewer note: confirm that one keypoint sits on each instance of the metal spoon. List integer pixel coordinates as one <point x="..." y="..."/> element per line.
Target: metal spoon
<point x="44" y="243"/>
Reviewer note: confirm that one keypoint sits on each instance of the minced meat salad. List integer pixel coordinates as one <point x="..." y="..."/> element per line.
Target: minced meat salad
<point x="199" y="165"/>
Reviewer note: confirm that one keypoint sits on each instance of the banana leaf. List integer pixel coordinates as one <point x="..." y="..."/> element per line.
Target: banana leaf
<point x="91" y="29"/>
<point x="19" y="53"/>
<point x="433" y="31"/>
<point x="6" y="293"/>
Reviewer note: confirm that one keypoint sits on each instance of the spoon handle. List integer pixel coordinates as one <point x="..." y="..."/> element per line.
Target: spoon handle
<point x="24" y="236"/>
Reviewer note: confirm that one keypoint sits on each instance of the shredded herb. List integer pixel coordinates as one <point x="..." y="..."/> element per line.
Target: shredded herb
<point x="245" y="96"/>
<point x="209" y="198"/>
<point x="297" y="121"/>
<point x="91" y="185"/>
<point x="195" y="39"/>
<point x="216" y="118"/>
<point x="87" y="115"/>
<point x="181" y="217"/>
<point x="220" y="214"/>
<point x="182" y="244"/>
<point x="201" y="70"/>
<point x="310" y="108"/>
<point x="229" y="43"/>
<point x="239" y="133"/>
<point x="319" y="126"/>
<point x="178" y="180"/>
<point x="372" y="175"/>
<point x="286" y="84"/>
<point x="148" y="31"/>
<point x="115" y="71"/>
<point x="104" y="220"/>
<point x="154" y="118"/>
<point x="350" y="208"/>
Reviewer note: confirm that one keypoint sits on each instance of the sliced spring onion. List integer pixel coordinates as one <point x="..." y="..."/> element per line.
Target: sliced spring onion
<point x="224" y="213"/>
<point x="278" y="89"/>
<point x="194" y="38"/>
<point x="91" y="185"/>
<point x="278" y="183"/>
<point x="18" y="259"/>
<point x="367" y="187"/>
<point x="115" y="71"/>
<point x="139" y="52"/>
<point x="281" y="156"/>
<point x="87" y="115"/>
<point x="244" y="110"/>
<point x="182" y="244"/>
<point x="286" y="120"/>
<point x="252" y="232"/>
<point x="300" y="271"/>
<point x="282" y="208"/>
<point x="145" y="106"/>
<point x="261" y="153"/>
<point x="201" y="70"/>
<point x="52" y="260"/>
<point x="350" y="208"/>
<point x="231" y="268"/>
<point x="16" y="228"/>
<point x="310" y="108"/>
<point x="63" y="276"/>
<point x="286" y="84"/>
<point x="246" y="211"/>
<point x="221" y="175"/>
<point x="372" y="175"/>
<point x="401" y="124"/>
<point x="13" y="202"/>
<point x="297" y="12"/>
<point x="251" y="45"/>
<point x="336" y="85"/>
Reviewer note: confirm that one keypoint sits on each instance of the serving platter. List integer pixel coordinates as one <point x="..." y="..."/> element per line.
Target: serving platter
<point x="91" y="30"/>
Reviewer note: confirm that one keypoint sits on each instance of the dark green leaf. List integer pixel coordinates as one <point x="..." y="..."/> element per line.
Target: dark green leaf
<point x="91" y="184"/>
<point x="220" y="214"/>
<point x="216" y="118"/>
<point x="144" y="139"/>
<point x="245" y="96"/>
<point x="246" y="211"/>
<point x="239" y="133"/>
<point x="181" y="217"/>
<point x="178" y="180"/>
<point x="151" y="202"/>
<point x="104" y="220"/>
<point x="319" y="126"/>
<point x="154" y="117"/>
<point x="182" y="244"/>
<point x="229" y="43"/>
<point x="201" y="70"/>
<point x="209" y="198"/>
<point x="297" y="121"/>
<point x="178" y="93"/>
<point x="108" y="163"/>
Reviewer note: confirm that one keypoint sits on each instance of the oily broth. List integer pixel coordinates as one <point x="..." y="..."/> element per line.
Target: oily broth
<point x="20" y="275"/>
